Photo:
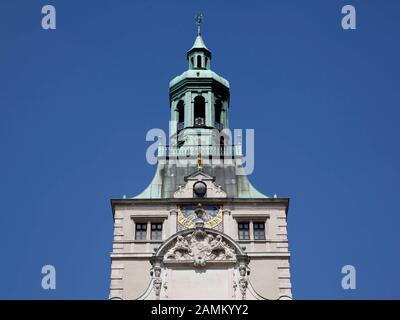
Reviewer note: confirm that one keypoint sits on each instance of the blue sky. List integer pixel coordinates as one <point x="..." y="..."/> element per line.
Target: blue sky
<point x="76" y="103"/>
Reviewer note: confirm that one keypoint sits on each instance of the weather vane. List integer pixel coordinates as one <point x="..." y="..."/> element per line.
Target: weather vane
<point x="199" y="20"/>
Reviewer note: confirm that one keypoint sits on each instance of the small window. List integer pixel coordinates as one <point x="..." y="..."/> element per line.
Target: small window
<point x="141" y="231"/>
<point x="199" y="111"/>
<point x="259" y="230"/>
<point x="199" y="62"/>
<point x="181" y="115"/>
<point x="244" y="231"/>
<point x="218" y="111"/>
<point x="221" y="147"/>
<point x="156" y="231"/>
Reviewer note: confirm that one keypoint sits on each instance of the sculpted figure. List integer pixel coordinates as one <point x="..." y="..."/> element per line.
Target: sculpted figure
<point x="179" y="250"/>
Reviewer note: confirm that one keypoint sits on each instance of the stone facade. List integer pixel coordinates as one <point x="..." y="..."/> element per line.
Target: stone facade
<point x="200" y="230"/>
<point x="267" y="270"/>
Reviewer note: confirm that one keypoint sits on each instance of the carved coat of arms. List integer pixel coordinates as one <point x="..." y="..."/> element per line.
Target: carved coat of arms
<point x="200" y="247"/>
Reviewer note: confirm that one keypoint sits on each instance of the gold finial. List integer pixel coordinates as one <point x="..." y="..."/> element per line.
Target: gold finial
<point x="199" y="20"/>
<point x="199" y="162"/>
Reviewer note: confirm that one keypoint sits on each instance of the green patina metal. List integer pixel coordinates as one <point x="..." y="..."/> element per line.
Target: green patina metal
<point x="199" y="81"/>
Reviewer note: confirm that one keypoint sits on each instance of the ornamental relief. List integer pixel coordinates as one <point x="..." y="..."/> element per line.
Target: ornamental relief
<point x="189" y="190"/>
<point x="200" y="247"/>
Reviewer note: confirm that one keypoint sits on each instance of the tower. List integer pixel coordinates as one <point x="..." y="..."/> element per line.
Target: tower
<point x="200" y="230"/>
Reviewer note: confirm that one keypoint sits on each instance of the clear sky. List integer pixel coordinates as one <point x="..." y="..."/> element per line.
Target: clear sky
<point x="77" y="102"/>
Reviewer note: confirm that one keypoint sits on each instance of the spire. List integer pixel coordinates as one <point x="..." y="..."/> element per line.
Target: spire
<point x="199" y="43"/>
<point x="199" y="55"/>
